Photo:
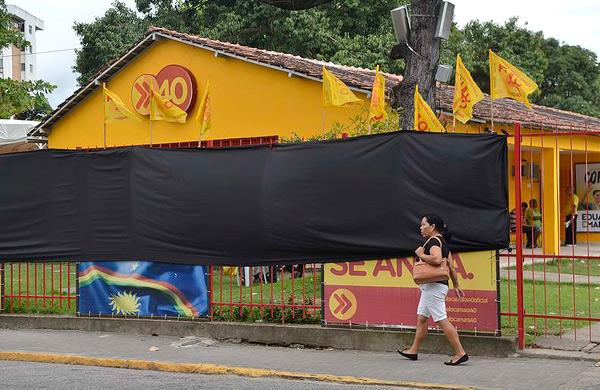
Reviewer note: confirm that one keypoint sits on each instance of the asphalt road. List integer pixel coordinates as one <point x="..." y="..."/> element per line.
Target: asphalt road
<point x="24" y="375"/>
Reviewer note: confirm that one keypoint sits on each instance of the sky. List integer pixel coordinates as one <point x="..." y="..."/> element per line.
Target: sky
<point x="575" y="23"/>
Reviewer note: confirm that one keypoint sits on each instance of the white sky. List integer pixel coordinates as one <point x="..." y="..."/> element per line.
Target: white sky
<point x="576" y="22"/>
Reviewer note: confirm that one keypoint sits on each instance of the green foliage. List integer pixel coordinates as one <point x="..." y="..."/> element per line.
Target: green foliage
<point x="571" y="80"/>
<point x="105" y="39"/>
<point x="520" y="46"/>
<point x="349" y="32"/>
<point x="8" y="35"/>
<point x="23" y="99"/>
<point x="247" y="314"/>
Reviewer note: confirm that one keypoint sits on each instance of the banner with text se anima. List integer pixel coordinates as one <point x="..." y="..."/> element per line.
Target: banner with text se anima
<point x="383" y="293"/>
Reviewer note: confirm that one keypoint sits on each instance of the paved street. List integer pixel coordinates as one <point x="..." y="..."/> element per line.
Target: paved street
<point x="19" y="375"/>
<point x="480" y="372"/>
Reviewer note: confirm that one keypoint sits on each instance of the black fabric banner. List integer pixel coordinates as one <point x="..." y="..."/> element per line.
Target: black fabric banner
<point x="357" y="198"/>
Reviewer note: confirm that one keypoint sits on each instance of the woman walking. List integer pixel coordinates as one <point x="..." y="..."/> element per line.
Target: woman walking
<point x="433" y="295"/>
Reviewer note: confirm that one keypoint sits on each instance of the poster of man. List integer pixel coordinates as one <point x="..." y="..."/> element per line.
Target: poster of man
<point x="587" y="188"/>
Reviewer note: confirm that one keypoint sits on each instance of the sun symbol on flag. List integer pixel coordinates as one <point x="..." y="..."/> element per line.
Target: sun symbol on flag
<point x="125" y="303"/>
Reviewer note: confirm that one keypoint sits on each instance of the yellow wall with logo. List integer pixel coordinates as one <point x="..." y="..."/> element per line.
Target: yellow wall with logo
<point x="248" y="100"/>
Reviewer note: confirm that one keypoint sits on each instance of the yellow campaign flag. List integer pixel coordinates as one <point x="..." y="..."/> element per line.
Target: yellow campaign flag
<point x="204" y="115"/>
<point x="377" y="109"/>
<point x="230" y="270"/>
<point x="506" y="80"/>
<point x="114" y="108"/>
<point x="466" y="93"/>
<point x="425" y="119"/>
<point x="335" y="92"/>
<point x="162" y="109"/>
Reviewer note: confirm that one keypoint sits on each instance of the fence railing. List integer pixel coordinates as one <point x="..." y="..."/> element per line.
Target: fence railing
<point x="289" y="293"/>
<point x="41" y="287"/>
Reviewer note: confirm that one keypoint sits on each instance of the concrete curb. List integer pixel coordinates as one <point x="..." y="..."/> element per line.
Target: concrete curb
<point x="313" y="336"/>
<point x="558" y="354"/>
<point x="213" y="369"/>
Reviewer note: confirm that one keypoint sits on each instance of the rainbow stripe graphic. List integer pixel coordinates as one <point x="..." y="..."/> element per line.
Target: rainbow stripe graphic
<point x="99" y="282"/>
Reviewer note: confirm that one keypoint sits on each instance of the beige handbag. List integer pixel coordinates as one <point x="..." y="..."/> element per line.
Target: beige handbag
<point x="423" y="272"/>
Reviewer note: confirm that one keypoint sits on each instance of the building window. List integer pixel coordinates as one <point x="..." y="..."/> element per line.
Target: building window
<point x="22" y="67"/>
<point x="30" y="29"/>
<point x="31" y="68"/>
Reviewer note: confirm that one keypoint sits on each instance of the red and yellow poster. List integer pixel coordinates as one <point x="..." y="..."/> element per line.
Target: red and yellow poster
<point x="382" y="292"/>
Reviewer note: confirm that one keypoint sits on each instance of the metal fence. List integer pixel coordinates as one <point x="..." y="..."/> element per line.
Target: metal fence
<point x="39" y="287"/>
<point x="266" y="293"/>
<point x="549" y="289"/>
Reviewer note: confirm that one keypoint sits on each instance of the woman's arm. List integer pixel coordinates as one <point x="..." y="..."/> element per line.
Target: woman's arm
<point x="459" y="292"/>
<point x="434" y="257"/>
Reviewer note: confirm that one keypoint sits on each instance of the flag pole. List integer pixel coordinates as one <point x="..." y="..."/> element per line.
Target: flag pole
<point x="150" y="132"/>
<point x="453" y="124"/>
<point x="492" y="109"/>
<point x="104" y="101"/>
<point x="323" y="120"/>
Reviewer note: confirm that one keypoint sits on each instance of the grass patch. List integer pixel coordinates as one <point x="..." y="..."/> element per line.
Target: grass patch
<point x="566" y="299"/>
<point x="281" y="297"/>
<point x="567" y="266"/>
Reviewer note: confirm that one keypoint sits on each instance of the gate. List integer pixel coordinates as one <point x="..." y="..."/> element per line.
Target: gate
<point x="552" y="283"/>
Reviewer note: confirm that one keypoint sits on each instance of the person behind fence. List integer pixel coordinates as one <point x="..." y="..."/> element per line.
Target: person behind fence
<point x="571" y="217"/>
<point x="533" y="222"/>
<point x="528" y="230"/>
<point x="432" y="303"/>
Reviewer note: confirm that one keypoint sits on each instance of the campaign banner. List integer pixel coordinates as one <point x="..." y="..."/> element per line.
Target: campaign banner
<point x="142" y="288"/>
<point x="587" y="188"/>
<point x="383" y="293"/>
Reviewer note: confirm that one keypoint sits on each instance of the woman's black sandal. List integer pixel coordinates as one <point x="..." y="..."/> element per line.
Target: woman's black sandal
<point x="460" y="360"/>
<point x="411" y="356"/>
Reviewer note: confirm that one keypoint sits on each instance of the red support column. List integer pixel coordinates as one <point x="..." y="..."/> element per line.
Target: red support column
<point x="519" y="239"/>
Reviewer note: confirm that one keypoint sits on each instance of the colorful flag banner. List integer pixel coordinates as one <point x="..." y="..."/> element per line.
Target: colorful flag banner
<point x="142" y="288"/>
<point x="377" y="109"/>
<point x="162" y="109"/>
<point x="466" y="93"/>
<point x="506" y="80"/>
<point x="335" y="92"/>
<point x="114" y="108"/>
<point x="425" y="119"/>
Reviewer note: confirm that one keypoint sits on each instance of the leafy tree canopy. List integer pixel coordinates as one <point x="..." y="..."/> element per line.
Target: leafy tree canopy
<point x="350" y="32"/>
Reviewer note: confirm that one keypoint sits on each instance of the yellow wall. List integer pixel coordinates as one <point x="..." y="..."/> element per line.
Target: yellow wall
<point x="248" y="100"/>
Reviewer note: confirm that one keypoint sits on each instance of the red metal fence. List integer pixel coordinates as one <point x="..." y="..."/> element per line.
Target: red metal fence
<point x="266" y="293"/>
<point x="546" y="292"/>
<point x="39" y="287"/>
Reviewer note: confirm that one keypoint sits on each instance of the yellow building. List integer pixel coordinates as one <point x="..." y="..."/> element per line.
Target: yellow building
<point x="260" y="96"/>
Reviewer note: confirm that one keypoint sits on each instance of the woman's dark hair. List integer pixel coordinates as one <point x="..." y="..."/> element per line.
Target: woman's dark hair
<point x="440" y="226"/>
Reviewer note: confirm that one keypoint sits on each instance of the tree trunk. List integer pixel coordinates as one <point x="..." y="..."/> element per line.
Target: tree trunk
<point x="421" y="67"/>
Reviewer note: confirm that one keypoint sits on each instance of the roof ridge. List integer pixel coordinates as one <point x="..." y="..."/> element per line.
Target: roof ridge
<point x="272" y="52"/>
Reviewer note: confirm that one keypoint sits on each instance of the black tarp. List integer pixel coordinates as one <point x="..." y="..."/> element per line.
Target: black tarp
<point x="358" y="198"/>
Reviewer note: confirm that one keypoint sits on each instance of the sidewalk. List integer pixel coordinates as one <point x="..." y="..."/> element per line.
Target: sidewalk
<point x="480" y="372"/>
